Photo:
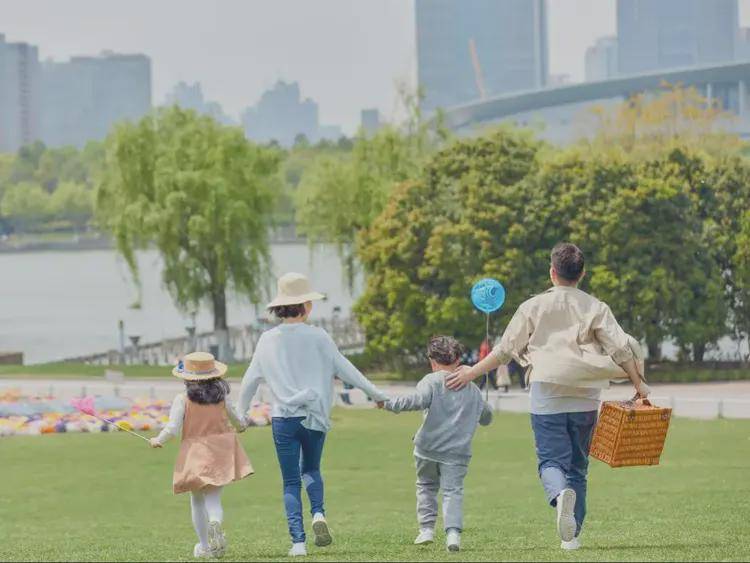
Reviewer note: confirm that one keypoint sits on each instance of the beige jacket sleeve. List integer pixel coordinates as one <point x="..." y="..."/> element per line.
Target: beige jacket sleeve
<point x="614" y="341"/>
<point x="515" y="339"/>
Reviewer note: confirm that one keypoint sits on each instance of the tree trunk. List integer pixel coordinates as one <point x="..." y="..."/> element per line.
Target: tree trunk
<point x="223" y="348"/>
<point x="699" y="349"/>
<point x="654" y="349"/>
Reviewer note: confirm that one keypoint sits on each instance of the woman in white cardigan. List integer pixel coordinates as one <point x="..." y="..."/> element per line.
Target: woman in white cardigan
<point x="298" y="362"/>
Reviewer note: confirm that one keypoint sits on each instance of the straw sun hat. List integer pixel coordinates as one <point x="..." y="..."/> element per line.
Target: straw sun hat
<point x="199" y="366"/>
<point x="294" y="289"/>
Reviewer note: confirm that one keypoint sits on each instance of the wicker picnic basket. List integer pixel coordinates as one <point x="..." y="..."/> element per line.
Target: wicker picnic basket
<point x="630" y="433"/>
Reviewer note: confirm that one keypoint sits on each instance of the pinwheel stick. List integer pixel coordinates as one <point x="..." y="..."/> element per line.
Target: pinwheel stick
<point x="86" y="406"/>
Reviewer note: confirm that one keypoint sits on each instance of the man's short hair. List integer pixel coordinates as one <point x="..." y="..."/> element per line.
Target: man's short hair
<point x="445" y="350"/>
<point x="567" y="261"/>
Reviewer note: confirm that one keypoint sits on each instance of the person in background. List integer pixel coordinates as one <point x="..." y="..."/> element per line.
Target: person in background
<point x="442" y="445"/>
<point x="298" y="362"/>
<point x="491" y="376"/>
<point x="574" y="346"/>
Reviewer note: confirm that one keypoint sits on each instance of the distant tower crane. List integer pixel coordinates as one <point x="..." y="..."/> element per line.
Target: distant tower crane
<point x="478" y="77"/>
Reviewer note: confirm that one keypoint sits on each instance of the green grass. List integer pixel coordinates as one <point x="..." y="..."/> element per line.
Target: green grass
<point x="108" y="497"/>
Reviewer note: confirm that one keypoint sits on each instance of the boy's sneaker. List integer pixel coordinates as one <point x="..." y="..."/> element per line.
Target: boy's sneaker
<point x="216" y="539"/>
<point x="200" y="552"/>
<point x="575" y="543"/>
<point x="426" y="536"/>
<point x="566" y="522"/>
<point x="321" y="531"/>
<point x="298" y="550"/>
<point x="453" y="540"/>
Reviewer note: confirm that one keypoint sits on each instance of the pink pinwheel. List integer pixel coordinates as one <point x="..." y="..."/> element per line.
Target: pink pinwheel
<point x="86" y="406"/>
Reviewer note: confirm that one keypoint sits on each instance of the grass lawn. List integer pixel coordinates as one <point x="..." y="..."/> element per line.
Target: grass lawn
<point x="108" y="497"/>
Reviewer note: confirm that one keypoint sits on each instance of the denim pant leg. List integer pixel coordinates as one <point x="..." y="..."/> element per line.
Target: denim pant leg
<point x="553" y="452"/>
<point x="286" y="440"/>
<point x="452" y="482"/>
<point x="312" y="442"/>
<point x="581" y="429"/>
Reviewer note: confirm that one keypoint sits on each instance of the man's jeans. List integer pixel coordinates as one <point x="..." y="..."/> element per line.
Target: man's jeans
<point x="431" y="477"/>
<point x="562" y="448"/>
<point x="299" y="451"/>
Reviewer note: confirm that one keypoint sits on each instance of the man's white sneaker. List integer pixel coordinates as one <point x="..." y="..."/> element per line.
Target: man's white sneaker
<point x="298" y="550"/>
<point x="199" y="552"/>
<point x="575" y="543"/>
<point x="426" y="536"/>
<point x="453" y="540"/>
<point x="321" y="531"/>
<point x="216" y="539"/>
<point x="566" y="522"/>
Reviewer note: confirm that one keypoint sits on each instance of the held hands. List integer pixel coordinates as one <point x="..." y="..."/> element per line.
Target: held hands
<point x="460" y="378"/>
<point x="154" y="443"/>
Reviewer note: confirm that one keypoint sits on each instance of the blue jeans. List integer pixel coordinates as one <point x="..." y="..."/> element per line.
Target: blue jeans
<point x="299" y="451"/>
<point x="562" y="448"/>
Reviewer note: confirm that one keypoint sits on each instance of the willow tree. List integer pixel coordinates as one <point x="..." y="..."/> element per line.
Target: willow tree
<point x="202" y="195"/>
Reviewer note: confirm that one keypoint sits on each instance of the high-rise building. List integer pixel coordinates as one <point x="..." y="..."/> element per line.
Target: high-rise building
<point x="282" y="115"/>
<point x="84" y="97"/>
<point x="19" y="94"/>
<point x="190" y="96"/>
<point x="666" y="34"/>
<point x="470" y="49"/>
<point x="370" y="121"/>
<point x="601" y="59"/>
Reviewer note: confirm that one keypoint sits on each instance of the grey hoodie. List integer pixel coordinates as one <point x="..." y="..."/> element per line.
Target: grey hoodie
<point x="450" y="418"/>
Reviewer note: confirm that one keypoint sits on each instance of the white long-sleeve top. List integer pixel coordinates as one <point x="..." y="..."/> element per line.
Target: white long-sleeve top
<point x="298" y="362"/>
<point x="177" y="416"/>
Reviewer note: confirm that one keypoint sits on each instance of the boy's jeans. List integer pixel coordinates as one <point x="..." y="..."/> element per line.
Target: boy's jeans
<point x="562" y="448"/>
<point x="299" y="451"/>
<point x="431" y="477"/>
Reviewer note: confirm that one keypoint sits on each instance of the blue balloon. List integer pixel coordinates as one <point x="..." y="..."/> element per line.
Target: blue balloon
<point x="488" y="295"/>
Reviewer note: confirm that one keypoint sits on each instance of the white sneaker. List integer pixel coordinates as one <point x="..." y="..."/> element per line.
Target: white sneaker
<point x="566" y="522"/>
<point x="426" y="536"/>
<point x="298" y="550"/>
<point x="321" y="531"/>
<point x="453" y="540"/>
<point x="199" y="552"/>
<point x="575" y="543"/>
<point x="216" y="539"/>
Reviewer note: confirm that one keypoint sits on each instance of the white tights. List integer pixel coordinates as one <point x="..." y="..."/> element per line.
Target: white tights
<point x="205" y="506"/>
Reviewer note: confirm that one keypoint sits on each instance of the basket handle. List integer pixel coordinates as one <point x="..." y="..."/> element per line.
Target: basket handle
<point x="640" y="401"/>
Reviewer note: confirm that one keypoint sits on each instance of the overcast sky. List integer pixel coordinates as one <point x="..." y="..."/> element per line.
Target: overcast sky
<point x="346" y="54"/>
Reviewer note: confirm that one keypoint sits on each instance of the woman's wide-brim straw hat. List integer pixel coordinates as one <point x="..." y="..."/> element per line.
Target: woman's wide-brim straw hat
<point x="199" y="366"/>
<point x="294" y="289"/>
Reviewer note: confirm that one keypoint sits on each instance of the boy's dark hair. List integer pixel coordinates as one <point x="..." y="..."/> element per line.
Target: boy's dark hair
<point x="288" y="311"/>
<point x="207" y="392"/>
<point x="445" y="350"/>
<point x="567" y="261"/>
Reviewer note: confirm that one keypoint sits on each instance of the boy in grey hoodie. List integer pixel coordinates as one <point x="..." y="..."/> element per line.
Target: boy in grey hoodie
<point x="442" y="445"/>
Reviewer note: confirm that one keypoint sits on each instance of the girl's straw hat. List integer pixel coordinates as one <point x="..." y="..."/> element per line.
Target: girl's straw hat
<point x="294" y="289"/>
<point x="199" y="366"/>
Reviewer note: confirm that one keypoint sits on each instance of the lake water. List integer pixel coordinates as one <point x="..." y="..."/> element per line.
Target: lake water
<point x="55" y="305"/>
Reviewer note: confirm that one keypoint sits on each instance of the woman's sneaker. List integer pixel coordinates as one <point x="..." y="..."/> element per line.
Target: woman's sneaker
<point x="426" y="536"/>
<point x="571" y="545"/>
<point x="321" y="531"/>
<point x="298" y="550"/>
<point x="566" y="522"/>
<point x="216" y="539"/>
<point x="453" y="540"/>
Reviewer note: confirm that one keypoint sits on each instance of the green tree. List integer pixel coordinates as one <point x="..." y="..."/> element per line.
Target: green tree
<point x="25" y="206"/>
<point x="203" y="195"/>
<point x="73" y="203"/>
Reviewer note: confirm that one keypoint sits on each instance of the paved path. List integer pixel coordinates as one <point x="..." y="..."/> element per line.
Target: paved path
<point x="695" y="400"/>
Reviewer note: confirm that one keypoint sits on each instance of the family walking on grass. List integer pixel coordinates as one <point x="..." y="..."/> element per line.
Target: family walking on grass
<point x="571" y="341"/>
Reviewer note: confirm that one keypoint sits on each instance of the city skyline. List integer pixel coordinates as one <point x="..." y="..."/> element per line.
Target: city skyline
<point x="340" y="87"/>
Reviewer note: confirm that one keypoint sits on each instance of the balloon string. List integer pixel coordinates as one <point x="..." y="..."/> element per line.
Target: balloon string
<point x="487" y="375"/>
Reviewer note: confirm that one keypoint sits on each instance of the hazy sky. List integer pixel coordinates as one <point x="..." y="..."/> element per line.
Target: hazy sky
<point x="346" y="54"/>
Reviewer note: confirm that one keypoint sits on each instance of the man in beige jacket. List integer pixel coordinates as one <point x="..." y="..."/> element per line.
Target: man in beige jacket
<point x="575" y="347"/>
